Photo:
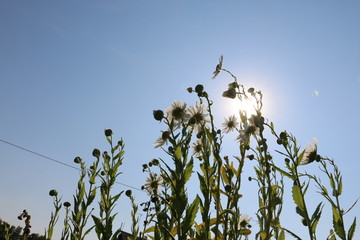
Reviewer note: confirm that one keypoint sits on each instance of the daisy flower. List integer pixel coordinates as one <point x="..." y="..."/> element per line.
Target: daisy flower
<point x="310" y="153"/>
<point x="247" y="130"/>
<point x="162" y="139"/>
<point x="244" y="221"/>
<point x="197" y="148"/>
<point x="198" y="117"/>
<point x="230" y="124"/>
<point x="153" y="183"/>
<point x="177" y="113"/>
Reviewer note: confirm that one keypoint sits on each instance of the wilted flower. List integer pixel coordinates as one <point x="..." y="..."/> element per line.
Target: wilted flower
<point x="230" y="93"/>
<point x="310" y="153"/>
<point x="162" y="139"/>
<point x="218" y="67"/>
<point x="153" y="183"/>
<point x="197" y="148"/>
<point x="198" y="117"/>
<point x="244" y="221"/>
<point x="230" y="124"/>
<point x="177" y="113"/>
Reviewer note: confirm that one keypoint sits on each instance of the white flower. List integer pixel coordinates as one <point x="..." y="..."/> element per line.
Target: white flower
<point x="310" y="153"/>
<point x="177" y="113"/>
<point x="244" y="221"/>
<point x="162" y="139"/>
<point x="230" y="124"/>
<point x="197" y="148"/>
<point x="247" y="129"/>
<point x="153" y="183"/>
<point x="198" y="117"/>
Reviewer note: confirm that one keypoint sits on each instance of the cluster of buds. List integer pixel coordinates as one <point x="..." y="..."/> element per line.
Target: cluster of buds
<point x="27" y="217"/>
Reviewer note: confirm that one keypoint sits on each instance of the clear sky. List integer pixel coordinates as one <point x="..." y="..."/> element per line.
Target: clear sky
<point x="70" y="69"/>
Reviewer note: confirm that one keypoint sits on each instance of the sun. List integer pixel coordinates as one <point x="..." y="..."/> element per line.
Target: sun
<point x="247" y="105"/>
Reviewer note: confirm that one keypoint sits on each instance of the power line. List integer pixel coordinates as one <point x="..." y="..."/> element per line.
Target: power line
<point x="57" y="161"/>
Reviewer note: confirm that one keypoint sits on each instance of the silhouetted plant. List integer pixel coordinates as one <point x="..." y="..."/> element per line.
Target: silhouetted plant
<point x="192" y="143"/>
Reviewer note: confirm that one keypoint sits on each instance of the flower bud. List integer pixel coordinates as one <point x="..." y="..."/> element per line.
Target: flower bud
<point x="165" y="135"/>
<point x="283" y="135"/>
<point x="199" y="88"/>
<point x="251" y="90"/>
<point x="155" y="162"/>
<point x="287" y="160"/>
<point x="228" y="188"/>
<point x="128" y="193"/>
<point x="189" y="89"/>
<point x="53" y="193"/>
<point x="108" y="132"/>
<point x="77" y="160"/>
<point x="96" y="153"/>
<point x="251" y="157"/>
<point x="158" y="115"/>
<point x="279" y="141"/>
<point x="192" y="120"/>
<point x="67" y="204"/>
<point x="304" y="222"/>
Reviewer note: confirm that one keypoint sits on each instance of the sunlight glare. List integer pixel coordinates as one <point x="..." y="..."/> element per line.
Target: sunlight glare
<point x="247" y="105"/>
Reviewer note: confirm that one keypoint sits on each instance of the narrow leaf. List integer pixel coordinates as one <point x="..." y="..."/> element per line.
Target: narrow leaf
<point x="352" y="230"/>
<point x="296" y="194"/>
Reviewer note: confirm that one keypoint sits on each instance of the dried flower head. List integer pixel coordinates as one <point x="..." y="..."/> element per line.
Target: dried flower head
<point x="218" y="66"/>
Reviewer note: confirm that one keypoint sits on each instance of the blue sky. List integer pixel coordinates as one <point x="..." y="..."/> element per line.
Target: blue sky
<point x="70" y="69"/>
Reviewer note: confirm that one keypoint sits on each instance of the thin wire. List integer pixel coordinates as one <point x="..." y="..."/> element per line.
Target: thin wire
<point x="59" y="162"/>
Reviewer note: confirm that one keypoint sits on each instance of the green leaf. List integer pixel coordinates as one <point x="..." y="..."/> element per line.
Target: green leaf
<point x="292" y="234"/>
<point x="188" y="170"/>
<point x="351" y="206"/>
<point x="224" y="176"/>
<point x="98" y="224"/>
<point x="331" y="236"/>
<point x="282" y="235"/>
<point x="297" y="196"/>
<point x="245" y="231"/>
<point x="300" y="212"/>
<point x="339" y="190"/>
<point x="283" y="172"/>
<point x="338" y="224"/>
<point x="316" y="217"/>
<point x="190" y="215"/>
<point x="178" y="153"/>
<point x="352" y="230"/>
